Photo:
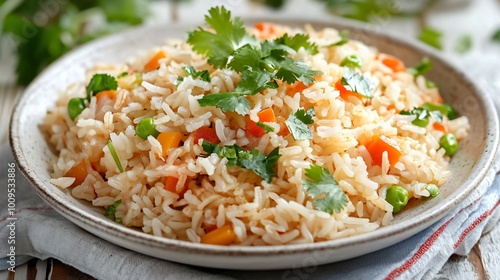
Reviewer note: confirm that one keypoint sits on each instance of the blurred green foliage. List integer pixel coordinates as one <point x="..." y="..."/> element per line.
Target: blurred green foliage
<point x="44" y="30"/>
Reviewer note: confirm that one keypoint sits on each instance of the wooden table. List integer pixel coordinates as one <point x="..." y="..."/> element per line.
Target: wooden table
<point x="476" y="18"/>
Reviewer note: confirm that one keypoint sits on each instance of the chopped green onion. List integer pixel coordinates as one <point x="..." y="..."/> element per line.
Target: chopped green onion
<point x="111" y="209"/>
<point x="112" y="151"/>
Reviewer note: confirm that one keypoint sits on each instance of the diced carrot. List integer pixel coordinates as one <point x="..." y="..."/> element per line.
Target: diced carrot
<point x="254" y="129"/>
<point x="170" y="183"/>
<point x="104" y="97"/>
<point x="283" y="128"/>
<point x="344" y="93"/>
<point x="378" y="145"/>
<point x="79" y="172"/>
<point x="440" y="127"/>
<point x="221" y="236"/>
<point x="153" y="63"/>
<point x="390" y="107"/>
<point x="392" y="62"/>
<point x="209" y="227"/>
<point x="266" y="29"/>
<point x="294" y="88"/>
<point x="266" y="115"/>
<point x="206" y="133"/>
<point x="168" y="140"/>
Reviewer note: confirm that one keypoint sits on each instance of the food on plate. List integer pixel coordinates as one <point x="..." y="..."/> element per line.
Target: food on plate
<point x="254" y="136"/>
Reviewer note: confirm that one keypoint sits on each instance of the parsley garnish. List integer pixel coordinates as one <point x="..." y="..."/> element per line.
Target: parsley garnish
<point x="464" y="44"/>
<point x="423" y="67"/>
<point x="190" y="71"/>
<point x="266" y="127"/>
<point x="111" y="209"/>
<point x="297" y="124"/>
<point x="351" y="61"/>
<point x="260" y="65"/>
<point x="322" y="186"/>
<point x="253" y="160"/>
<point x="100" y="82"/>
<point x="355" y="82"/>
<point x="431" y="37"/>
<point x="422" y="115"/>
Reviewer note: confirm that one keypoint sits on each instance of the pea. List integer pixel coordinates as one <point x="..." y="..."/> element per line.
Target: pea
<point x="145" y="128"/>
<point x="75" y="107"/>
<point x="351" y="61"/>
<point x="397" y="196"/>
<point x="432" y="189"/>
<point x="449" y="143"/>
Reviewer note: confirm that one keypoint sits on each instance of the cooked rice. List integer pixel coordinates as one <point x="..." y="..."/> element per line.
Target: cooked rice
<point x="260" y="213"/>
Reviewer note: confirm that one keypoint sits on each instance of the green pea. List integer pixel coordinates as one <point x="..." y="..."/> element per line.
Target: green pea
<point x="432" y="189"/>
<point x="351" y="61"/>
<point x="75" y="107"/>
<point x="145" y="128"/>
<point x="449" y="143"/>
<point x="397" y="196"/>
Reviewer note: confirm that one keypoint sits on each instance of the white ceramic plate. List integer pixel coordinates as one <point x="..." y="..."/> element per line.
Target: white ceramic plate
<point x="33" y="154"/>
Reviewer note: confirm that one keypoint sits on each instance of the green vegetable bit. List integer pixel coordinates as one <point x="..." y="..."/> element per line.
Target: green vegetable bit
<point x="445" y="109"/>
<point x="432" y="189"/>
<point x="422" y="115"/>
<point x="111" y="209"/>
<point x="423" y="67"/>
<point x="100" y="82"/>
<point x="496" y="36"/>
<point x="351" y="61"/>
<point x="190" y="71"/>
<point x="266" y="127"/>
<point x="76" y="107"/>
<point x="321" y="186"/>
<point x="146" y="127"/>
<point x="260" y="164"/>
<point x="431" y="37"/>
<point x="355" y="82"/>
<point x="112" y="151"/>
<point x="449" y="143"/>
<point x="297" y="124"/>
<point x="397" y="196"/>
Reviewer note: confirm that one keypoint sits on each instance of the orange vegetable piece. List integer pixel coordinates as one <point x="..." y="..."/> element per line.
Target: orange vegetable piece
<point x="206" y="133"/>
<point x="170" y="183"/>
<point x="296" y="87"/>
<point x="169" y="140"/>
<point x="153" y="63"/>
<point x="221" y="236"/>
<point x="266" y="29"/>
<point x="254" y="129"/>
<point x="103" y="97"/>
<point x="283" y="128"/>
<point x="344" y="93"/>
<point x="440" y="127"/>
<point x="390" y="107"/>
<point x="266" y="115"/>
<point x="392" y="62"/>
<point x="378" y="145"/>
<point x="79" y="172"/>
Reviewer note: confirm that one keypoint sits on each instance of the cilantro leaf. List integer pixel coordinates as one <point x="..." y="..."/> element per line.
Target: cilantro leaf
<point x="111" y="209"/>
<point x="423" y="67"/>
<point x="244" y="58"/>
<point x="355" y="82"/>
<point x="260" y="164"/>
<point x="444" y="109"/>
<point x="227" y="102"/>
<point x="219" y="46"/>
<point x="190" y="71"/>
<point x="297" y="124"/>
<point x="464" y="44"/>
<point x="321" y="186"/>
<point x="291" y="71"/>
<point x="431" y="37"/>
<point x="297" y="41"/>
<point x="422" y="114"/>
<point x="266" y="127"/>
<point x="351" y="61"/>
<point x="100" y="82"/>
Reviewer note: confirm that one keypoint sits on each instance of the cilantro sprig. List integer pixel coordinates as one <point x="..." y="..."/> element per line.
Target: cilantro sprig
<point x="358" y="83"/>
<point x="253" y="160"/>
<point x="261" y="64"/>
<point x="100" y="82"/>
<point x="297" y="124"/>
<point x="435" y="111"/>
<point x="424" y="66"/>
<point x="321" y="186"/>
<point x="190" y="71"/>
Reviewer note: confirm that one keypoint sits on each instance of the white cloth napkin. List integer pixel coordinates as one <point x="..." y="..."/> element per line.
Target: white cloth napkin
<point x="42" y="233"/>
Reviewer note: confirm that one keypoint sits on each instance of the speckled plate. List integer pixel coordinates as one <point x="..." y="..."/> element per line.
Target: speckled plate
<point x="33" y="154"/>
